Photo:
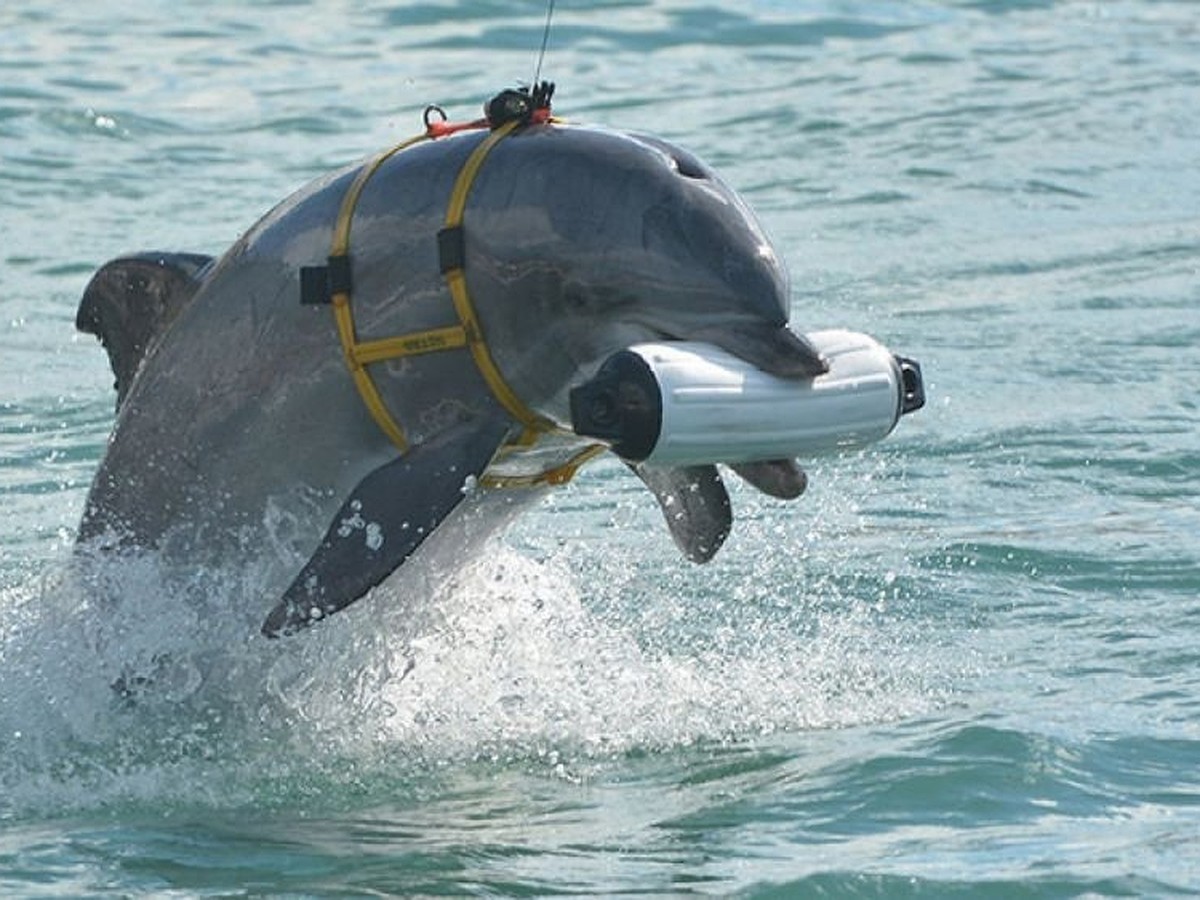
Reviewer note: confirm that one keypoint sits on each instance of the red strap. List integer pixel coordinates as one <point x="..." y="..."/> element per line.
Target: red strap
<point x="443" y="128"/>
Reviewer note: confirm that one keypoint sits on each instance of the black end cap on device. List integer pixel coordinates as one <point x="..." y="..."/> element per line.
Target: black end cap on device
<point x="621" y="405"/>
<point x="913" y="384"/>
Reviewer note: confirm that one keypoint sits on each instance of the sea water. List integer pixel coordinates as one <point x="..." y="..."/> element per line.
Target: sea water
<point x="964" y="664"/>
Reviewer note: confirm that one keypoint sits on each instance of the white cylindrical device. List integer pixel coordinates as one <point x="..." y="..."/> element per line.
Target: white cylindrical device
<point x="686" y="403"/>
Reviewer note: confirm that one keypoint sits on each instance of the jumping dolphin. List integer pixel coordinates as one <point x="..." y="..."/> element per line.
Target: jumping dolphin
<point x="234" y="396"/>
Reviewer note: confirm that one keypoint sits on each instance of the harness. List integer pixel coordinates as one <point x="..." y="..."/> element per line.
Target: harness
<point x="506" y="113"/>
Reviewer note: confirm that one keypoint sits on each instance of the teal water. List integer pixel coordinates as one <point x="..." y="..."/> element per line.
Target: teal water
<point x="965" y="664"/>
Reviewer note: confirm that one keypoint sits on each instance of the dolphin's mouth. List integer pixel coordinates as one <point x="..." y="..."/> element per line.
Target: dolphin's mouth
<point x="775" y="349"/>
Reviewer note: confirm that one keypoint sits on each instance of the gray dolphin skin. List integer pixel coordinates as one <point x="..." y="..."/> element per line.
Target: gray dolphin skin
<point x="235" y="404"/>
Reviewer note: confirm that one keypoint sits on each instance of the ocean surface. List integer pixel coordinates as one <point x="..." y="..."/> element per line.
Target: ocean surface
<point x="965" y="664"/>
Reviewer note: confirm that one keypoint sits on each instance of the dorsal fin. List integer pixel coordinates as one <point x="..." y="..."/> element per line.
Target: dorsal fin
<point x="132" y="299"/>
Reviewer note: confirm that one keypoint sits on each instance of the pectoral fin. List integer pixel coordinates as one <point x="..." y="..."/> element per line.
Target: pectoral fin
<point x="779" y="478"/>
<point x="695" y="505"/>
<point x="383" y="521"/>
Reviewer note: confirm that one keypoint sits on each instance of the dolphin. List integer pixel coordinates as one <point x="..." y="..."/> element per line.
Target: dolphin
<point x="234" y="400"/>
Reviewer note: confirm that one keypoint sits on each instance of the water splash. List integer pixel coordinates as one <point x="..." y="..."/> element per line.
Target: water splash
<point x="124" y="683"/>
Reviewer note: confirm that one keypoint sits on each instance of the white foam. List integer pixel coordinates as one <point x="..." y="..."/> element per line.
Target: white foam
<point x="563" y="661"/>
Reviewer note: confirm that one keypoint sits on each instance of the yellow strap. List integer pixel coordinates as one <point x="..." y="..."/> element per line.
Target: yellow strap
<point x="457" y="282"/>
<point x="414" y="344"/>
<point x="557" y="476"/>
<point x="362" y="378"/>
<point x="341" y="303"/>
<point x="341" y="231"/>
<point x="467" y="334"/>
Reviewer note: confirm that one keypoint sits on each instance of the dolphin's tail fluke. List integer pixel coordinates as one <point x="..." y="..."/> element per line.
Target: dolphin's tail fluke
<point x="130" y="301"/>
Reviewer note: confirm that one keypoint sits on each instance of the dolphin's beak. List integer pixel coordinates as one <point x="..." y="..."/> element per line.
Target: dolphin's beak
<point x="775" y="349"/>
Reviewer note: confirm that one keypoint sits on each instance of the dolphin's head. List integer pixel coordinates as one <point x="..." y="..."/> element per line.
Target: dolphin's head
<point x="590" y="240"/>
